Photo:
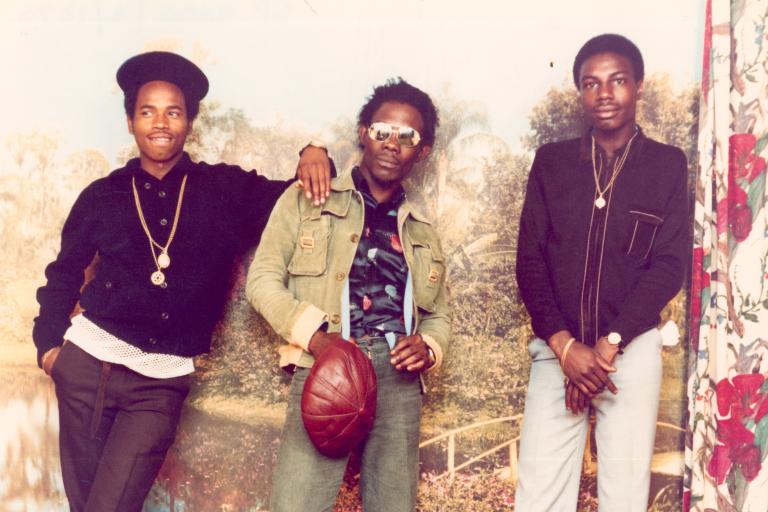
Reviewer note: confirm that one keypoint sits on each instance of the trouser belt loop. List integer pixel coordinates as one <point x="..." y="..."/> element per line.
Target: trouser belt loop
<point x="98" y="408"/>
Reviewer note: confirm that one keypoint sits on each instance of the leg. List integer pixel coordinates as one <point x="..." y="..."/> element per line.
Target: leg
<point x="552" y="440"/>
<point x="148" y="412"/>
<point x="304" y="479"/>
<point x="390" y="463"/>
<point x="76" y="375"/>
<point x="626" y="427"/>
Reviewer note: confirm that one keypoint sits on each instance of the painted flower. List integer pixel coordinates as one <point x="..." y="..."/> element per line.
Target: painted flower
<point x="700" y="281"/>
<point x="742" y="160"/>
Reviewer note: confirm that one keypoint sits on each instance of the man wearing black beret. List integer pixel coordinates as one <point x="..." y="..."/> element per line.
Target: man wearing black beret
<point x="166" y="231"/>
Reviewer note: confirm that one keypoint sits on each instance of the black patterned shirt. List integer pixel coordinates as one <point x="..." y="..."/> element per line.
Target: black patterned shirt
<point x="379" y="271"/>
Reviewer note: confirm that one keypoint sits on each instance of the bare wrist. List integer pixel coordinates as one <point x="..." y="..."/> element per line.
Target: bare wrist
<point x="558" y="341"/>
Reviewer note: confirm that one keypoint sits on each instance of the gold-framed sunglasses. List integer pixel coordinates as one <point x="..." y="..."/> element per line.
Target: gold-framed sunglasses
<point x="406" y="136"/>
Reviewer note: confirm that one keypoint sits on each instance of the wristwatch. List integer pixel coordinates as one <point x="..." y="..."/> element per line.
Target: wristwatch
<point x="614" y="338"/>
<point x="315" y="144"/>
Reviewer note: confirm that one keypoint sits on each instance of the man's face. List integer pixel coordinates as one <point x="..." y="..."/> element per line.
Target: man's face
<point x="159" y="125"/>
<point x="387" y="163"/>
<point x="609" y="91"/>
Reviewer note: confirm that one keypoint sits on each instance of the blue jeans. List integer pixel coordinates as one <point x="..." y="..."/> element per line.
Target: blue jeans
<point x="307" y="481"/>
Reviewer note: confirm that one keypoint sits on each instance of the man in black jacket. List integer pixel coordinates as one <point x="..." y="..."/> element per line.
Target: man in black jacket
<point x="166" y="231"/>
<point x="602" y="248"/>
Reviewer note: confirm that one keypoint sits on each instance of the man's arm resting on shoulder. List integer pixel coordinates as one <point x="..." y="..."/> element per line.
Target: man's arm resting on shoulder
<point x="266" y="286"/>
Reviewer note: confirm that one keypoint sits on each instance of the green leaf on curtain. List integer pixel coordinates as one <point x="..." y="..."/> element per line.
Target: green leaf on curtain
<point x="764" y="387"/>
<point x="756" y="195"/>
<point x="761" y="436"/>
<point x="761" y="143"/>
<point x="750" y="316"/>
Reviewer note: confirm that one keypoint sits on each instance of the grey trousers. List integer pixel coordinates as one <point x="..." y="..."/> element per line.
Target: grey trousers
<point x="115" y="427"/>
<point x="307" y="481"/>
<point x="553" y="439"/>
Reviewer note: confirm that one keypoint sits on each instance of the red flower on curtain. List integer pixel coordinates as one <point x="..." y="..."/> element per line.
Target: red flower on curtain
<point x="738" y="212"/>
<point x="742" y="160"/>
<point x="700" y="280"/>
<point x="738" y="400"/>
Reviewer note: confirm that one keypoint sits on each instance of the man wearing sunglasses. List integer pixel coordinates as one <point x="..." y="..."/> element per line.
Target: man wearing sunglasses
<point x="166" y="230"/>
<point x="602" y="248"/>
<point x="368" y="268"/>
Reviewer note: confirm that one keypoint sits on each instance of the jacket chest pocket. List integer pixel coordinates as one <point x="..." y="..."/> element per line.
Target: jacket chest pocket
<point x="428" y="273"/>
<point x="644" y="227"/>
<point x="310" y="257"/>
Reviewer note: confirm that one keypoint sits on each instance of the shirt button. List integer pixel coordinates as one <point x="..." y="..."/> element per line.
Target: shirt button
<point x="163" y="222"/>
<point x="108" y="285"/>
<point x="161" y="193"/>
<point x="147" y="185"/>
<point x="335" y="319"/>
<point x="164" y="315"/>
<point x="152" y="341"/>
<point x="164" y="285"/>
<point x="354" y="238"/>
<point x="340" y="276"/>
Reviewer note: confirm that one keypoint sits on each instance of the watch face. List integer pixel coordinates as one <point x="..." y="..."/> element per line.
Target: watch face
<point x="614" y="338"/>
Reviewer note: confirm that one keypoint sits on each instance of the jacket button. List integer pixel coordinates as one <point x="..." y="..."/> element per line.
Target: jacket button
<point x="354" y="238"/>
<point x="164" y="315"/>
<point x="164" y="285"/>
<point x="152" y="341"/>
<point x="340" y="276"/>
<point x="163" y="222"/>
<point x="147" y="185"/>
<point x="161" y="193"/>
<point x="108" y="285"/>
<point x="335" y="319"/>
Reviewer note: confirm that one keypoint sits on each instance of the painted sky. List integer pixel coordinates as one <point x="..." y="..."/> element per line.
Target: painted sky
<point x="307" y="63"/>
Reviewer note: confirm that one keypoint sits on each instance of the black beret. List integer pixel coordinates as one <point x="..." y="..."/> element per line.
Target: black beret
<point x="165" y="66"/>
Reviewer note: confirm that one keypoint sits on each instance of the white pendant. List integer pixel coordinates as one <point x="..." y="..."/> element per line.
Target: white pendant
<point x="157" y="278"/>
<point x="164" y="261"/>
<point x="600" y="202"/>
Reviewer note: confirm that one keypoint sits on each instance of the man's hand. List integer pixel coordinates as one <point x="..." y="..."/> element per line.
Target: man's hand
<point x="314" y="174"/>
<point x="321" y="340"/>
<point x="49" y="359"/>
<point x="575" y="400"/>
<point x="584" y="366"/>
<point x="411" y="353"/>
<point x="606" y="350"/>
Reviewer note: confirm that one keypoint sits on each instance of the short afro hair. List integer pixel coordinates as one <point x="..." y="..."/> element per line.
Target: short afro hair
<point x="129" y="103"/>
<point x="613" y="43"/>
<point x="397" y="90"/>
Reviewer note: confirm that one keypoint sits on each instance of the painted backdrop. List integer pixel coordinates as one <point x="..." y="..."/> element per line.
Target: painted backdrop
<point x="283" y="73"/>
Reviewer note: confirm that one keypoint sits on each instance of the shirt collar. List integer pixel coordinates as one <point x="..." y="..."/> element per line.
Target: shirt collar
<point x="182" y="167"/>
<point x="585" y="145"/>
<point x="362" y="186"/>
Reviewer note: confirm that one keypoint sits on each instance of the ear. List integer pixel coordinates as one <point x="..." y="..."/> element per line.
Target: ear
<point x="130" y="124"/>
<point x="362" y="134"/>
<point x="423" y="153"/>
<point x="639" y="88"/>
<point x="190" y="126"/>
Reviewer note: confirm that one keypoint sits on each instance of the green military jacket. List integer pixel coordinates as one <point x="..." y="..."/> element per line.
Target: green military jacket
<point x="298" y="274"/>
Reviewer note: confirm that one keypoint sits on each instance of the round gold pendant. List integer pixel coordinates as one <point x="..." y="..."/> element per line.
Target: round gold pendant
<point x="600" y="202"/>
<point x="157" y="278"/>
<point x="164" y="261"/>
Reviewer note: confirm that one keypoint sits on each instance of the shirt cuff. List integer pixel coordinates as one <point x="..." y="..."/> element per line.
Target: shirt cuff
<point x="436" y="348"/>
<point x="306" y="325"/>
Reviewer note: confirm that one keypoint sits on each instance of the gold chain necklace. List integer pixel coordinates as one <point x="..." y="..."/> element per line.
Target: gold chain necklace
<point x="163" y="260"/>
<point x="617" y="167"/>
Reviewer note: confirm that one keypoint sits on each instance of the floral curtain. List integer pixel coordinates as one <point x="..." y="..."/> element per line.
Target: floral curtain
<point x="727" y="443"/>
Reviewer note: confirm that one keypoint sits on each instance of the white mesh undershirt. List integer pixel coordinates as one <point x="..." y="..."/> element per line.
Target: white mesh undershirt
<point x="106" y="347"/>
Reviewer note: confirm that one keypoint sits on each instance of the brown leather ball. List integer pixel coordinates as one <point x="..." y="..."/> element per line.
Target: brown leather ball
<point x="338" y="404"/>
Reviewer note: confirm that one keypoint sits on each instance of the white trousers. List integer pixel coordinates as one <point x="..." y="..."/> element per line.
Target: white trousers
<point x="552" y="441"/>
